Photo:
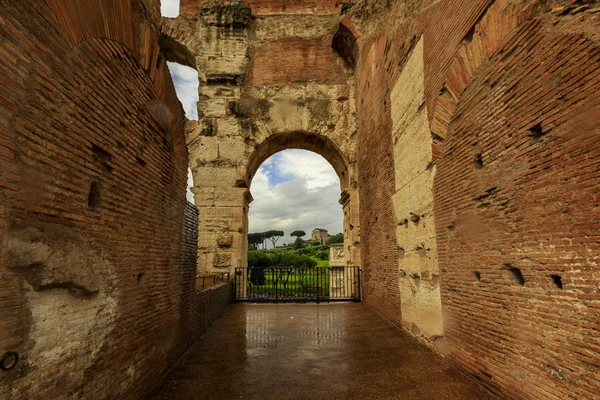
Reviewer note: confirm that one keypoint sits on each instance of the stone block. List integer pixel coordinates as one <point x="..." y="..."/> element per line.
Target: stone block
<point x="414" y="198"/>
<point x="202" y="150"/>
<point x="421" y="307"/>
<point x="421" y="263"/>
<point x="229" y="126"/>
<point x="224" y="239"/>
<point x="411" y="235"/>
<point x="232" y="149"/>
<point x="412" y="150"/>
<point x="218" y="219"/>
<point x="203" y="196"/>
<point x="408" y="94"/>
<point x="222" y="259"/>
<point x="214" y="108"/>
<point x="218" y="176"/>
<point x="229" y="197"/>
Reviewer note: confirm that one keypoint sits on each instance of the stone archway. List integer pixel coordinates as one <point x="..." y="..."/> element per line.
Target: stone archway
<point x="223" y="168"/>
<point x="247" y="112"/>
<point x="326" y="148"/>
<point x="240" y="127"/>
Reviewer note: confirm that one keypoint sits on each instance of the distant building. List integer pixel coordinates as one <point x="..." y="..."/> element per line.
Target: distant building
<point x="320" y="235"/>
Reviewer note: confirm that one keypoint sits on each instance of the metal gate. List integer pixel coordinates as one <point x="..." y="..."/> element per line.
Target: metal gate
<point x="297" y="284"/>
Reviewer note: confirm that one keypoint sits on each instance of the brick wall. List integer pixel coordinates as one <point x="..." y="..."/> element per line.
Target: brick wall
<point x="515" y="189"/>
<point x="97" y="289"/>
<point x="293" y="61"/>
<point x="187" y="271"/>
<point x="379" y="249"/>
<point x="210" y="304"/>
<point x="518" y="216"/>
<point x="93" y="170"/>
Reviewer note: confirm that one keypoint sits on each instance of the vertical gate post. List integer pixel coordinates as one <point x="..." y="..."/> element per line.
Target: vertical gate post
<point x="317" y="271"/>
<point x="359" y="285"/>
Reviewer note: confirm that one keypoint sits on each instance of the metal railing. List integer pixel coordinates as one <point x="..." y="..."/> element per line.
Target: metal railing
<point x="298" y="284"/>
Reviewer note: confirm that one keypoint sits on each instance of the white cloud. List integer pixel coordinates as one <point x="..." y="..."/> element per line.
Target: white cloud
<point x="314" y="169"/>
<point x="186" y="84"/>
<point x="260" y="183"/>
<point x="295" y="189"/>
<point x="169" y="8"/>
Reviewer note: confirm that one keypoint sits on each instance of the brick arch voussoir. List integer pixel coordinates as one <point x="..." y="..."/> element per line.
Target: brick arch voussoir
<point x="80" y="20"/>
<point x="501" y="20"/>
<point x="177" y="44"/>
<point x="105" y="20"/>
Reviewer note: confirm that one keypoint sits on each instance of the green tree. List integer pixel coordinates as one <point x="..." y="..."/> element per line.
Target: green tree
<point x="257" y="262"/>
<point x="298" y="243"/>
<point x="258" y="259"/>
<point x="323" y="255"/>
<point x="298" y="234"/>
<point x="273" y="236"/>
<point x="255" y="239"/>
<point x="337" y="238"/>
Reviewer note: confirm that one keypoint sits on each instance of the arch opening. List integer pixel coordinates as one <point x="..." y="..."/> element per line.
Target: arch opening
<point x="318" y="144"/>
<point x="186" y="82"/>
<point x="170" y="8"/>
<point x="325" y="149"/>
<point x="295" y="191"/>
<point x="229" y="166"/>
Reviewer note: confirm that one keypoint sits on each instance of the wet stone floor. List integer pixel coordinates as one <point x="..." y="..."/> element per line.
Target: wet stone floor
<point x="311" y="351"/>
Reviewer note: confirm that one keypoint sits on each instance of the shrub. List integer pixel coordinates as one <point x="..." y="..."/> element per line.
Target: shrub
<point x="292" y="259"/>
<point x="298" y="243"/>
<point x="257" y="262"/>
<point x="337" y="238"/>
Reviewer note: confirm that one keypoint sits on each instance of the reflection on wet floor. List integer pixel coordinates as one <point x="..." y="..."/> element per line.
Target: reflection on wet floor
<point x="311" y="351"/>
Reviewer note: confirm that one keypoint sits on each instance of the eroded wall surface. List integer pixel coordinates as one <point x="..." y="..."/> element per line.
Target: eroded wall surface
<point x="418" y="267"/>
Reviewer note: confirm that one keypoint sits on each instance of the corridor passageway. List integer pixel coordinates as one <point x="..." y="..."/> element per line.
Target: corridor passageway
<point x="319" y="351"/>
<point x="465" y="138"/>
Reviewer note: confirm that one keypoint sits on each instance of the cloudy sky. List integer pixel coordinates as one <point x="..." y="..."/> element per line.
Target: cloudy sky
<point x="294" y="189"/>
<point x="186" y="85"/>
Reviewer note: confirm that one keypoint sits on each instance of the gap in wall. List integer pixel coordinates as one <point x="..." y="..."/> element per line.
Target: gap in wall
<point x="169" y="8"/>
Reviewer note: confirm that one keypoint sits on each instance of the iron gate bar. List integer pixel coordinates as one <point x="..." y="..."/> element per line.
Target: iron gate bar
<point x="298" y="284"/>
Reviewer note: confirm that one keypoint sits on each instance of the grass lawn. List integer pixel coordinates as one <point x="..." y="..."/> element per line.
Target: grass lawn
<point x="321" y="263"/>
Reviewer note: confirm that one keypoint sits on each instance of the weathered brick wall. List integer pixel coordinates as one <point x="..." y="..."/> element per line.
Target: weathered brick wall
<point x="518" y="217"/>
<point x="97" y="289"/>
<point x="293" y="61"/>
<point x="187" y="271"/>
<point x="209" y="305"/>
<point x="376" y="186"/>
<point x="93" y="168"/>
<point x="514" y="145"/>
